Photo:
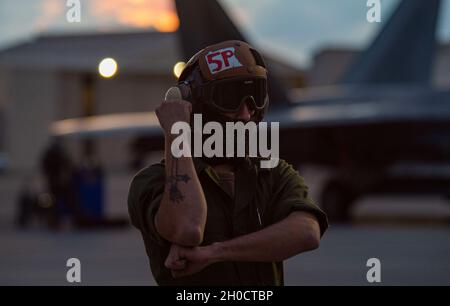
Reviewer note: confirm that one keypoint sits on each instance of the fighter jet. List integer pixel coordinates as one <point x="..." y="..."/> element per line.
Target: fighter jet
<point x="383" y="128"/>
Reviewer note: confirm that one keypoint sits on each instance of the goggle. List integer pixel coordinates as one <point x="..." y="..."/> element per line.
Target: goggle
<point x="229" y="94"/>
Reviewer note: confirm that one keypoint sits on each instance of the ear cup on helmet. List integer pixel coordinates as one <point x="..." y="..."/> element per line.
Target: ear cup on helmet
<point x="185" y="91"/>
<point x="173" y="93"/>
<point x="181" y="91"/>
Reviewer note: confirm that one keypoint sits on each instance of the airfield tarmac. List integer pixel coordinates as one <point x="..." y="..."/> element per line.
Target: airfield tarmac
<point x="410" y="236"/>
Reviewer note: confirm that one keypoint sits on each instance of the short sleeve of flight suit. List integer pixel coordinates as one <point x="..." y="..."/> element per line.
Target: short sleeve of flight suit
<point x="291" y="194"/>
<point x="144" y="197"/>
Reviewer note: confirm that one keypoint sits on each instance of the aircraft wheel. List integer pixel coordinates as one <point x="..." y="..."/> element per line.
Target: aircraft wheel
<point x="337" y="201"/>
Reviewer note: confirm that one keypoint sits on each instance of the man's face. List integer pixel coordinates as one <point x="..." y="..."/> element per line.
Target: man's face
<point x="243" y="114"/>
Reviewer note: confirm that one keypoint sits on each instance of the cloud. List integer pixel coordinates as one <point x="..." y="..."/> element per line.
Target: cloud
<point x="157" y="14"/>
<point x="51" y="12"/>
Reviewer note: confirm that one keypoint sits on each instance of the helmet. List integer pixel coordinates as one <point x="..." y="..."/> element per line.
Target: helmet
<point x="221" y="77"/>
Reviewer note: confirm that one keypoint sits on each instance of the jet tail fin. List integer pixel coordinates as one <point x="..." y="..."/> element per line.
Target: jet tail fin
<point x="404" y="50"/>
<point x="204" y="23"/>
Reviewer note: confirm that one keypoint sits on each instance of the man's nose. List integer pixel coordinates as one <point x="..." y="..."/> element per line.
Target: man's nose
<point x="245" y="114"/>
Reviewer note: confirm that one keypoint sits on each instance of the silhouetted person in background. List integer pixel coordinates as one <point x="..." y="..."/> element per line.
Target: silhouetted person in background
<point x="27" y="204"/>
<point x="89" y="180"/>
<point x="58" y="170"/>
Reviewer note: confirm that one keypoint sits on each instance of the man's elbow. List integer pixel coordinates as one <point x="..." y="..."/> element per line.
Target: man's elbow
<point x="181" y="234"/>
<point x="307" y="229"/>
<point x="311" y="239"/>
<point x="189" y="235"/>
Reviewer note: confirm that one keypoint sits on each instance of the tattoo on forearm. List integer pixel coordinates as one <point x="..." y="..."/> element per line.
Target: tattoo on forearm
<point x="175" y="195"/>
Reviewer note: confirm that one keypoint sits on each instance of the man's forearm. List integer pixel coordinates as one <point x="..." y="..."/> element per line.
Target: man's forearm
<point x="181" y="216"/>
<point x="298" y="233"/>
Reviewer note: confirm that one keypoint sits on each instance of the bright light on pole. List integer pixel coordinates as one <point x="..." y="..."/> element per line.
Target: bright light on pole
<point x="178" y="68"/>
